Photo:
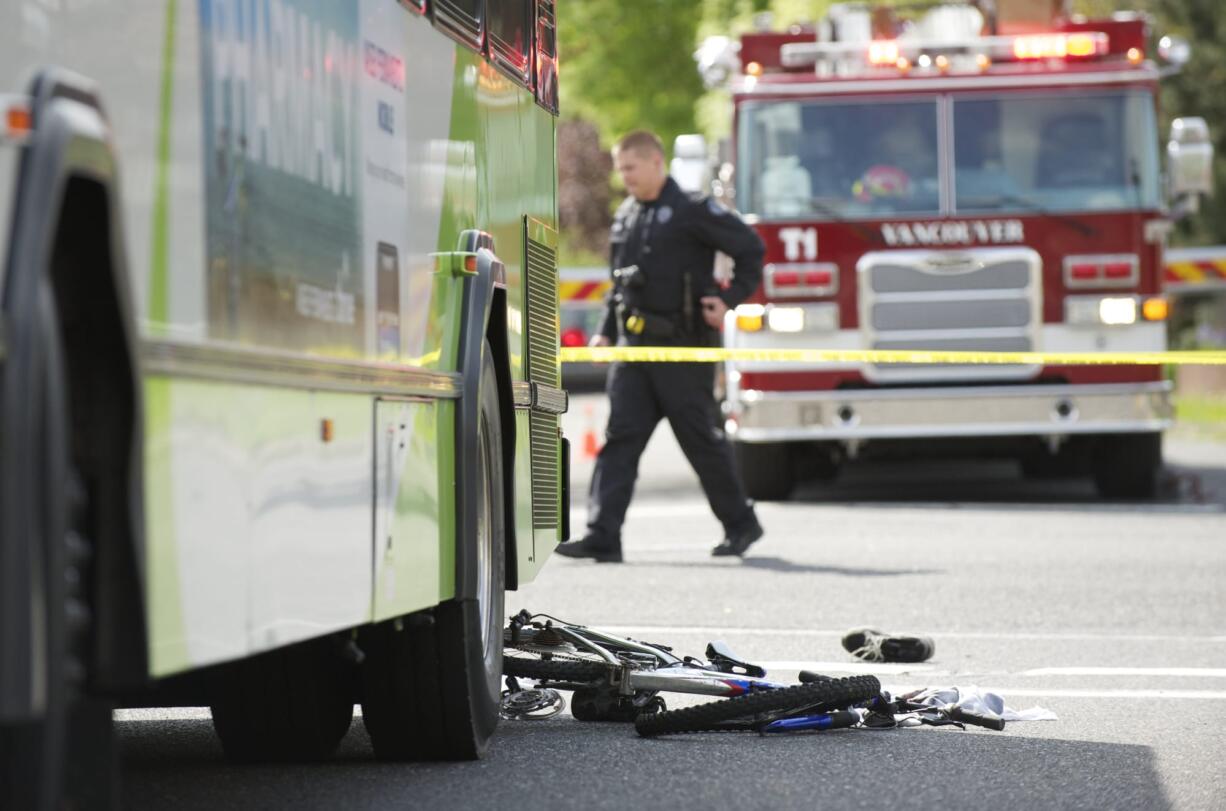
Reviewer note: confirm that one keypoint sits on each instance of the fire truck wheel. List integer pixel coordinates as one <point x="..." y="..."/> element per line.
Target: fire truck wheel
<point x="766" y="470"/>
<point x="1127" y="465"/>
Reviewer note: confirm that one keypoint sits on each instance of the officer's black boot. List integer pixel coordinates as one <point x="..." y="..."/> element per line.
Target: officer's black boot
<point x="592" y="547"/>
<point x="739" y="538"/>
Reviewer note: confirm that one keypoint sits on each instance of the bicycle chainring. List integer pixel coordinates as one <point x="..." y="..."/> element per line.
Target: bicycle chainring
<point x="531" y="705"/>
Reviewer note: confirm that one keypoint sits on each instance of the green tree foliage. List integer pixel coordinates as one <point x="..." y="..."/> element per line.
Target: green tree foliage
<point x="627" y="64"/>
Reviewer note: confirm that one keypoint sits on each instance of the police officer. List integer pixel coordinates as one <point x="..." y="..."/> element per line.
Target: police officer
<point x="662" y="248"/>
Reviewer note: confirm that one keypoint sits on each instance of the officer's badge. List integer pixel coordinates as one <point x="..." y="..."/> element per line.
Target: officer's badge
<point x="664" y="214"/>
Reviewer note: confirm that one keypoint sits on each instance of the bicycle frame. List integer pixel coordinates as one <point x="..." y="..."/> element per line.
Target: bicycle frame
<point x="671" y="673"/>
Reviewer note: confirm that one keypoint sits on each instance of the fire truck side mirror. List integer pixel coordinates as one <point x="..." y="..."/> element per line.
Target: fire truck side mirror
<point x="1174" y="51"/>
<point x="1189" y="154"/>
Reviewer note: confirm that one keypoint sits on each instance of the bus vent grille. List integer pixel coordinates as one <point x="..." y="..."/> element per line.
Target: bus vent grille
<point x="542" y="328"/>
<point x="542" y="315"/>
<point x="543" y="429"/>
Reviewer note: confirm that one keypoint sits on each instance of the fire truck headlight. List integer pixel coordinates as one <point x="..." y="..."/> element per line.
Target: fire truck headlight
<point x="1097" y="310"/>
<point x="785" y="319"/>
<point x="749" y="317"/>
<point x="1118" y="311"/>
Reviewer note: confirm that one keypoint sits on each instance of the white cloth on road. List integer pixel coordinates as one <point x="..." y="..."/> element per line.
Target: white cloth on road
<point x="972" y="699"/>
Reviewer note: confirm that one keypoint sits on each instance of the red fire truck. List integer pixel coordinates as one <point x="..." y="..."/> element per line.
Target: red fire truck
<point x="955" y="181"/>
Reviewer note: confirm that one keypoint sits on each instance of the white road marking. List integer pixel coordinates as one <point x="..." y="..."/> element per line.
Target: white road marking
<point x="164" y="714"/>
<point x="717" y="633"/>
<point x="1201" y="672"/>
<point x="180" y="714"/>
<point x="1063" y="692"/>
<point x="871" y="668"/>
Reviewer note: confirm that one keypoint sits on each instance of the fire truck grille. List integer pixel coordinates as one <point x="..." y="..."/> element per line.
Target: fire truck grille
<point x="982" y="300"/>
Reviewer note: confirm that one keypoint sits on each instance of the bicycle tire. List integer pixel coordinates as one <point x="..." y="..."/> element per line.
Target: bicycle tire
<point x="720" y="716"/>
<point x="553" y="669"/>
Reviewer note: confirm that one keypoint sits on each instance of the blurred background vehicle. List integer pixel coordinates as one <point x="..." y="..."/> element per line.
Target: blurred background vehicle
<point x="581" y="293"/>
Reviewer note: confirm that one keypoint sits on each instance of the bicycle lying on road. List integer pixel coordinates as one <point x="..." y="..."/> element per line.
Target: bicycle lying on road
<point x="612" y="678"/>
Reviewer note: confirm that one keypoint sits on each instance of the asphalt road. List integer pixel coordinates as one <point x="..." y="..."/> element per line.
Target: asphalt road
<point x="1112" y="615"/>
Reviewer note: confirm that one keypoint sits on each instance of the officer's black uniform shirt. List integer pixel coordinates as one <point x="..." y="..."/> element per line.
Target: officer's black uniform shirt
<point x="674" y="235"/>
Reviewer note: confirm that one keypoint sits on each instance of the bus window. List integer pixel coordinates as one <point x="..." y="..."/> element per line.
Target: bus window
<point x="461" y="19"/>
<point x="546" y="57"/>
<point x="509" y="29"/>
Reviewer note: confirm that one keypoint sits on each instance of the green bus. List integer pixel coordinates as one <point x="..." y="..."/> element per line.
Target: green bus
<point x="279" y="393"/>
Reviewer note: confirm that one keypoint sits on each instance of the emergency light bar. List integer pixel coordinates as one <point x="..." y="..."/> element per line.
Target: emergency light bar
<point x="980" y="51"/>
<point x="1080" y="45"/>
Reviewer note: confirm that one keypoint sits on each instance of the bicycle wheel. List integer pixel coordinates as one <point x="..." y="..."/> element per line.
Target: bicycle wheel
<point x="551" y="669"/>
<point x="740" y="713"/>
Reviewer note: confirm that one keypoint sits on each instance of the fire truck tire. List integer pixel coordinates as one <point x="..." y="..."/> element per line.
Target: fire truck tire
<point x="766" y="470"/>
<point x="1127" y="465"/>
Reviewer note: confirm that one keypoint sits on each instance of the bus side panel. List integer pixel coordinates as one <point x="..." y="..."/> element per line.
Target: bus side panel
<point x="406" y="508"/>
<point x="259" y="505"/>
<point x="150" y="91"/>
<point x="528" y="561"/>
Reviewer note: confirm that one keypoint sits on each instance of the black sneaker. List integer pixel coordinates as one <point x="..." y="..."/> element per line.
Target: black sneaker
<point x="590" y="548"/>
<point x="875" y="646"/>
<point x="737" y="542"/>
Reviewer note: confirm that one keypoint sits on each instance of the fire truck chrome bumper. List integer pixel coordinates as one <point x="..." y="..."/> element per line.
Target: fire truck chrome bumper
<point x="760" y="416"/>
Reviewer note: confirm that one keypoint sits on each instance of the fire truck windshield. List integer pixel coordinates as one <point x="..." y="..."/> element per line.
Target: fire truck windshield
<point x="1067" y="152"/>
<point x="1012" y="152"/>
<point x="860" y="158"/>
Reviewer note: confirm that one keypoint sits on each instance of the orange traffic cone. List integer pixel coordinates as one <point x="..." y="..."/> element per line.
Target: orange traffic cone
<point x="591" y="445"/>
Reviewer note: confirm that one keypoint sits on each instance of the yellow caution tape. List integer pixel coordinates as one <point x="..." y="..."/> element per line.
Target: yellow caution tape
<point x="690" y="354"/>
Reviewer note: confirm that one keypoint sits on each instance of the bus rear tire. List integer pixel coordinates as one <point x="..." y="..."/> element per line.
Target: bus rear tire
<point x="431" y="681"/>
<point x="1127" y="465"/>
<point x="292" y="704"/>
<point x="766" y="470"/>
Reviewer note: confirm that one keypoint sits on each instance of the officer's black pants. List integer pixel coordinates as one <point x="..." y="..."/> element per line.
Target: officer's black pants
<point x="640" y="394"/>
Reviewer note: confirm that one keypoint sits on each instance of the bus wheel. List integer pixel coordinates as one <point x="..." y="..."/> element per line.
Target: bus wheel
<point x="1127" y="465"/>
<point x="766" y="470"/>
<point x="66" y="756"/>
<point x="430" y="681"/>
<point x="292" y="704"/>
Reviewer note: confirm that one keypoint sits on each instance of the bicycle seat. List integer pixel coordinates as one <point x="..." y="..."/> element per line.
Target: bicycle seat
<point x="725" y="661"/>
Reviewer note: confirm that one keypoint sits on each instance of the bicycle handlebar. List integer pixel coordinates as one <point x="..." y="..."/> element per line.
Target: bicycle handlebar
<point x="975" y="719"/>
